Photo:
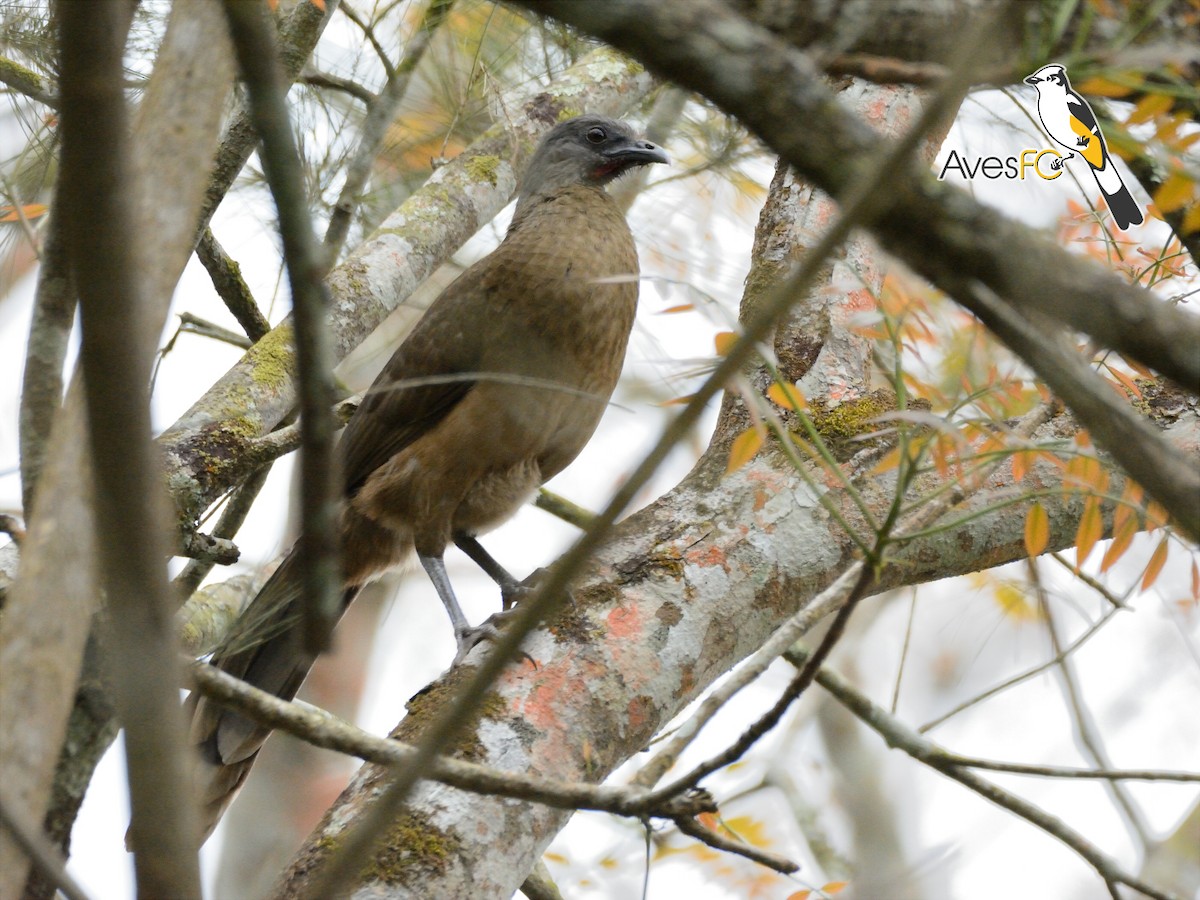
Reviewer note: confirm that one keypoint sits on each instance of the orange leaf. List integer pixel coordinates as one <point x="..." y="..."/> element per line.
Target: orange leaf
<point x="745" y="446"/>
<point x="319" y="4"/>
<point x="723" y="341"/>
<point x="788" y="396"/>
<point x="677" y="401"/>
<point x="799" y="895"/>
<point x="1195" y="581"/>
<point x="682" y="307"/>
<point x="1091" y="527"/>
<point x="29" y="210"/>
<point x="834" y="887"/>
<point x="1155" y="566"/>
<point x="1020" y="465"/>
<point x="1124" y="528"/>
<point x="709" y="821"/>
<point x="1037" y="529"/>
<point x="1174" y="193"/>
<point x="1128" y="383"/>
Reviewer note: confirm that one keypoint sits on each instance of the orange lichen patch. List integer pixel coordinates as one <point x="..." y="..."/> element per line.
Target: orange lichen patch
<point x="625" y="622"/>
<point x="760" y="499"/>
<point x="708" y="555"/>
<point x="540" y="706"/>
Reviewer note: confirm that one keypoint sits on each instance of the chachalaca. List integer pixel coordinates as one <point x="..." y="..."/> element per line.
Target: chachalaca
<point x="495" y="391"/>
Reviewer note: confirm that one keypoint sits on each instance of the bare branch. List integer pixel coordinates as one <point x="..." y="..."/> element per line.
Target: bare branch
<point x="116" y="353"/>
<point x="254" y="42"/>
<point x="44" y="856"/>
<point x="227" y="279"/>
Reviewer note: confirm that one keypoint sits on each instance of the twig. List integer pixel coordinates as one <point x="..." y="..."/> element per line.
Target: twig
<point x="900" y="736"/>
<point x="973" y="762"/>
<point x="26" y="81"/>
<point x="557" y="505"/>
<point x="1085" y="728"/>
<point x="232" y="517"/>
<point x="44" y="855"/>
<point x="694" y="829"/>
<point x="208" y="548"/>
<point x="314" y="78"/>
<point x="254" y="41"/>
<point x="227" y="280"/>
<point x="322" y="729"/>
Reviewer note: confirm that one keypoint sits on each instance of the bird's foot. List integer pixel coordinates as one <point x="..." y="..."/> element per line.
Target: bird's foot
<point x="468" y="638"/>
<point x="511" y="595"/>
<point x="487" y="631"/>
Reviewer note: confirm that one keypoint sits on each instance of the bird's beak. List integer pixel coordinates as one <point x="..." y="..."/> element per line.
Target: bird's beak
<point x="638" y="153"/>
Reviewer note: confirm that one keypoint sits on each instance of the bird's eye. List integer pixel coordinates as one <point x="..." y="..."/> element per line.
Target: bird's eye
<point x="596" y="135"/>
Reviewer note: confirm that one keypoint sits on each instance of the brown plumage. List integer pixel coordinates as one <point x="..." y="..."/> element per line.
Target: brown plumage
<point x="520" y="355"/>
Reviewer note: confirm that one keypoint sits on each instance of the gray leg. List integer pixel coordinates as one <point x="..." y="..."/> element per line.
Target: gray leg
<point x="465" y="636"/>
<point x="510" y="588"/>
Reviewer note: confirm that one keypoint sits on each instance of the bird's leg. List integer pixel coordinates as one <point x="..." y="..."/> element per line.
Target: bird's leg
<point x="465" y="636"/>
<point x="510" y="588"/>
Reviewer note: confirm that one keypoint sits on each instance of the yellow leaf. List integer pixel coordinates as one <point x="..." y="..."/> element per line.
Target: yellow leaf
<point x="788" y="396"/>
<point x="834" y="887"/>
<point x="1174" y="193"/>
<point x="1155" y="566"/>
<point x="723" y="341"/>
<point x="1124" y="528"/>
<point x="1099" y="86"/>
<point x="1148" y="107"/>
<point x="1015" y="601"/>
<point x="799" y="895"/>
<point x="1091" y="527"/>
<point x="1037" y="529"/>
<point x="744" y="447"/>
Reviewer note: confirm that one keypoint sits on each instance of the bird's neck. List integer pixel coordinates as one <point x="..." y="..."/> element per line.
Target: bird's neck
<point x="532" y="202"/>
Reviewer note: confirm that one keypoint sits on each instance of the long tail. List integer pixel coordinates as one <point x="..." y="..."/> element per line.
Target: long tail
<point x="1125" y="210"/>
<point x="266" y="649"/>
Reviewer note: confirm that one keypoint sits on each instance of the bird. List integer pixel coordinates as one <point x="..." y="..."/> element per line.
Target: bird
<point x="1069" y="120"/>
<point x="497" y="389"/>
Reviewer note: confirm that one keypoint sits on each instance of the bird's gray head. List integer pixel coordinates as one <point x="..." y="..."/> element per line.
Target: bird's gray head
<point x="586" y="150"/>
<point x="1053" y="74"/>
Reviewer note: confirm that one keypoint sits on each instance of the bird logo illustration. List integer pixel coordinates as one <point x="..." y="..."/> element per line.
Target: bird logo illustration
<point x="1070" y="121"/>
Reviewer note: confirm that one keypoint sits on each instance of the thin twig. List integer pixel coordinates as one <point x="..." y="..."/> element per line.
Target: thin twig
<point x="694" y="829"/>
<point x="322" y="729"/>
<point x="1085" y="728"/>
<point x="254" y="41"/>
<point x="314" y="78"/>
<point x="232" y="517"/>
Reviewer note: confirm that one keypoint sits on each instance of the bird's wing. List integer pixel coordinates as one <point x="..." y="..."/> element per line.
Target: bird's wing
<point x="1083" y="123"/>
<point x="393" y="414"/>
